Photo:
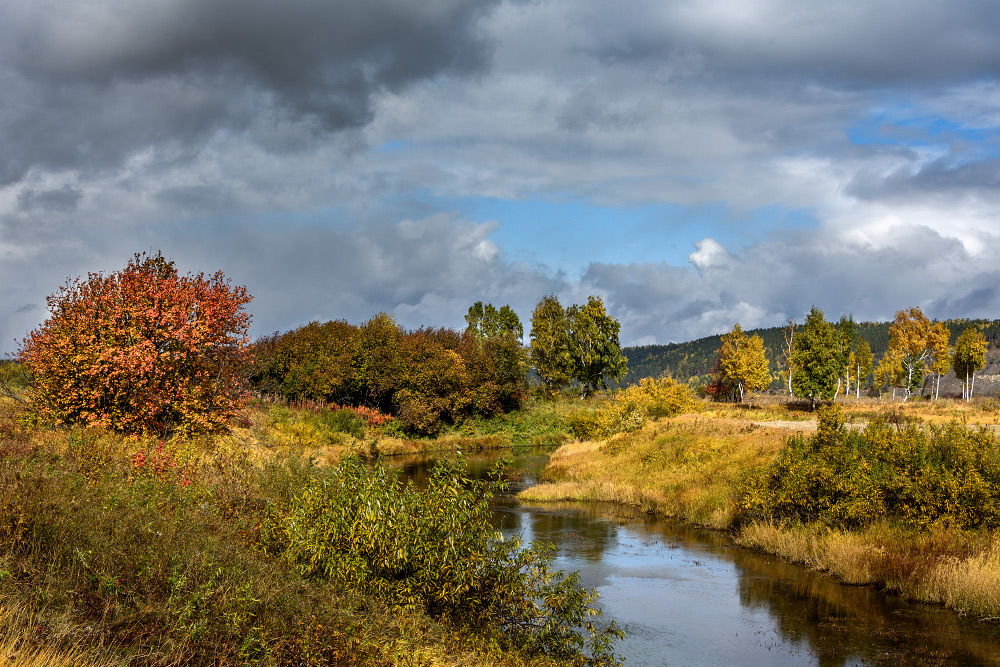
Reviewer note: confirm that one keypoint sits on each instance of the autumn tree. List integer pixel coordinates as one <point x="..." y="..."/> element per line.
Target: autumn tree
<point x="743" y="363"/>
<point x="817" y="359"/>
<point x="487" y="322"/>
<point x="912" y="341"/>
<point x="594" y="349"/>
<point x="143" y="349"/>
<point x="889" y="371"/>
<point x="970" y="356"/>
<point x="846" y="337"/>
<point x="550" y="345"/>
<point x="940" y="354"/>
<point x="861" y="361"/>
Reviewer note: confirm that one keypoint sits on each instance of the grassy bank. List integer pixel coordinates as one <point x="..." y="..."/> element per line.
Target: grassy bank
<point x="686" y="467"/>
<point x="327" y="433"/>
<point x="938" y="546"/>
<point x="129" y="551"/>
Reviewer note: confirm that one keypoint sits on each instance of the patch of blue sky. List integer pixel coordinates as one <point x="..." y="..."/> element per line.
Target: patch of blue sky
<point x="569" y="235"/>
<point x="391" y="147"/>
<point x="909" y="126"/>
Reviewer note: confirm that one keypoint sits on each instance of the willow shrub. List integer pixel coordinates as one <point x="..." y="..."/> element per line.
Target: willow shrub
<point x="633" y="406"/>
<point x="436" y="550"/>
<point x="948" y="474"/>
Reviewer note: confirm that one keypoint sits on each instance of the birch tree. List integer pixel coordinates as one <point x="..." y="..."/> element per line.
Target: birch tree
<point x="862" y="364"/>
<point x="910" y="342"/>
<point x="970" y="356"/>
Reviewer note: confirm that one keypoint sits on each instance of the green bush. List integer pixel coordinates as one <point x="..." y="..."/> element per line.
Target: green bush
<point x="948" y="474"/>
<point x="436" y="550"/>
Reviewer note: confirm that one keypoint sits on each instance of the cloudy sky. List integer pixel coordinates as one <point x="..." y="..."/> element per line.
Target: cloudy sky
<point x="693" y="163"/>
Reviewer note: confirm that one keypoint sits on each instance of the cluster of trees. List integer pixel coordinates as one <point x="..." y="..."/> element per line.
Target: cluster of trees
<point x="425" y="377"/>
<point x="576" y="343"/>
<point x="821" y="359"/>
<point x="146" y="350"/>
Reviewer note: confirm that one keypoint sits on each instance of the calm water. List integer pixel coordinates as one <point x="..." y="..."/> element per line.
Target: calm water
<point x="689" y="597"/>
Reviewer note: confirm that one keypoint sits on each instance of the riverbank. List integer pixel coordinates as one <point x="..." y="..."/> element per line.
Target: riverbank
<point x="692" y="466"/>
<point x="127" y="550"/>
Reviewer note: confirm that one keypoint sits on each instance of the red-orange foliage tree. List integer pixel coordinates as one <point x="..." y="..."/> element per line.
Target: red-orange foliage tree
<point x="142" y="350"/>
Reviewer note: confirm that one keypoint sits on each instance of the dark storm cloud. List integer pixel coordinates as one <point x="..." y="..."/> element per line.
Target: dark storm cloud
<point x="58" y="199"/>
<point x="980" y="177"/>
<point x="850" y="43"/>
<point x="88" y="84"/>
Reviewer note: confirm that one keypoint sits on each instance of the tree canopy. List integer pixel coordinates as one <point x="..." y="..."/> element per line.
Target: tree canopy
<point x="817" y="359"/>
<point x="743" y="363"/>
<point x="970" y="356"/>
<point x="143" y="349"/>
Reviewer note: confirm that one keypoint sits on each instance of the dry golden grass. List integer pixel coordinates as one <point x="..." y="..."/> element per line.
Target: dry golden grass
<point x="687" y="466"/>
<point x="943" y="565"/>
<point x="22" y="645"/>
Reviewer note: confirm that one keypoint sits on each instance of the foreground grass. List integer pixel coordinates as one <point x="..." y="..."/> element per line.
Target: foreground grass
<point x="691" y="467"/>
<point x="117" y="551"/>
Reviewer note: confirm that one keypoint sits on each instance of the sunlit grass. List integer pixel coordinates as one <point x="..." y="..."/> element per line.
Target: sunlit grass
<point x="687" y="467"/>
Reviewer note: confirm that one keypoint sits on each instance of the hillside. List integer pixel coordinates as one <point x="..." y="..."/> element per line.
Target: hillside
<point x="696" y="358"/>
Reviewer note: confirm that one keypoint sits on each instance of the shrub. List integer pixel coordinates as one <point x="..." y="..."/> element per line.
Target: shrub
<point x="948" y="474"/>
<point x="632" y="407"/>
<point x="141" y="350"/>
<point x="436" y="550"/>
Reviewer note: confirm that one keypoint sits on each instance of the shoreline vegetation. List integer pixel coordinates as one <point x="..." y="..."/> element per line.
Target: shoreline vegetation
<point x="127" y="550"/>
<point x="150" y="535"/>
<point x="920" y="525"/>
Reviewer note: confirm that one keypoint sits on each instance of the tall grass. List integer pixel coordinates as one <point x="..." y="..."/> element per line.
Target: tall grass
<point x="133" y="551"/>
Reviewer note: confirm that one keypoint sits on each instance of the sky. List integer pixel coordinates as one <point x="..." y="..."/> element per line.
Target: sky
<point x="694" y="164"/>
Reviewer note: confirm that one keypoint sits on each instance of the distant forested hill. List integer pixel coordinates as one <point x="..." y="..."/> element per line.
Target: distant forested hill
<point x="697" y="358"/>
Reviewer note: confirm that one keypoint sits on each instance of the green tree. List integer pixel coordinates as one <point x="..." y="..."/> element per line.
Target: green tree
<point x="970" y="356"/>
<point x="743" y="363"/>
<point x="550" y="344"/>
<point x="487" y="322"/>
<point x="817" y="359"/>
<point x="593" y="344"/>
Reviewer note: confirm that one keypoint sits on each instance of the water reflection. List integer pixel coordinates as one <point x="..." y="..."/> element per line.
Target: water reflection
<point x="690" y="597"/>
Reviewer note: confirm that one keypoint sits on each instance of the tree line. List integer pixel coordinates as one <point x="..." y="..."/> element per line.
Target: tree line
<point x="820" y="360"/>
<point x="148" y="350"/>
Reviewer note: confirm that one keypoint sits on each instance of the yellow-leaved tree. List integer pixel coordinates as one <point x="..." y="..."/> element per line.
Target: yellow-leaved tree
<point x="915" y="343"/>
<point x="743" y="364"/>
<point x="970" y="356"/>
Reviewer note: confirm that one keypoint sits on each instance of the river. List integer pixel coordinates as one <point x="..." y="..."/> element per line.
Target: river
<point x="691" y="598"/>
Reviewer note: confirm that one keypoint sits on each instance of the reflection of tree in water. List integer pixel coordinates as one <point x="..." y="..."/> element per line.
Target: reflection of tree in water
<point x="574" y="531"/>
<point x="843" y="623"/>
